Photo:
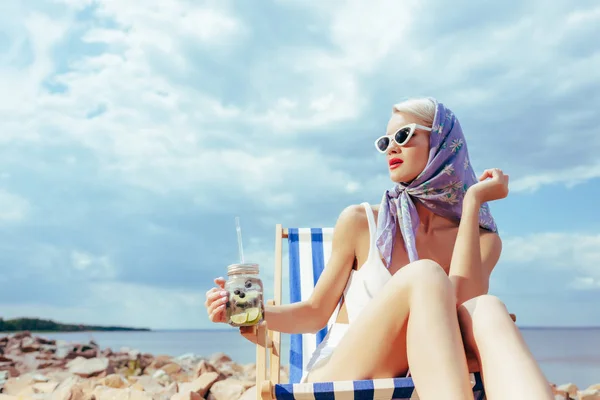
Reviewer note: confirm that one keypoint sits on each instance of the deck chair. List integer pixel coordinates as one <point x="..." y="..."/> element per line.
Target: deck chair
<point x="309" y="251"/>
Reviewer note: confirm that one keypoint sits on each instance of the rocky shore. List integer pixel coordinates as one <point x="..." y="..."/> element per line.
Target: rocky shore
<point x="37" y="368"/>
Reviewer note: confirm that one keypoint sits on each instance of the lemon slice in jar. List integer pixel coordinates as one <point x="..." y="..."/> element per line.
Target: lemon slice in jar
<point x="239" y="318"/>
<point x="253" y="314"/>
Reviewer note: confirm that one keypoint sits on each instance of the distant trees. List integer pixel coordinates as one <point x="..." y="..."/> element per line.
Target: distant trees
<point x="46" y="325"/>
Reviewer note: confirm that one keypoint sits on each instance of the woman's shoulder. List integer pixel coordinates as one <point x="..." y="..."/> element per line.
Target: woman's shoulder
<point x="351" y="227"/>
<point x="353" y="216"/>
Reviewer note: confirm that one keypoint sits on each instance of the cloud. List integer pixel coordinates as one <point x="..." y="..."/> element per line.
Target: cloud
<point x="569" y="178"/>
<point x="12" y="207"/>
<point x="518" y="112"/>
<point x="548" y="263"/>
<point x="133" y="135"/>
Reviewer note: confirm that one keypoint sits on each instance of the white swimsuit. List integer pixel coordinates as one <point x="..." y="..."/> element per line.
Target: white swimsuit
<point x="363" y="284"/>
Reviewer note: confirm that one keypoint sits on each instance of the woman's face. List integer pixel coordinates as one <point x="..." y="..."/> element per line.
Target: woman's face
<point x="406" y="162"/>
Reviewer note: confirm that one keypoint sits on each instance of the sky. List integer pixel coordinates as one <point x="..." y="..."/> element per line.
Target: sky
<point x="133" y="133"/>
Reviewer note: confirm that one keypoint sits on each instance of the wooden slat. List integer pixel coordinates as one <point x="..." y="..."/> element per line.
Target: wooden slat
<point x="261" y="359"/>
<point x="275" y="350"/>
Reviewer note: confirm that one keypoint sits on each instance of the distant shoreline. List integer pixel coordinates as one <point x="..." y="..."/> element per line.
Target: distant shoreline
<point x="228" y="329"/>
<point x="39" y="325"/>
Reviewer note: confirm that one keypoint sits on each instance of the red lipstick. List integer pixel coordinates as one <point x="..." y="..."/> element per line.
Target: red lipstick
<point x="395" y="162"/>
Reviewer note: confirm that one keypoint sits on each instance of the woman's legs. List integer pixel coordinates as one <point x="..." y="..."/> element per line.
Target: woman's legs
<point x="507" y="366"/>
<point x="412" y="319"/>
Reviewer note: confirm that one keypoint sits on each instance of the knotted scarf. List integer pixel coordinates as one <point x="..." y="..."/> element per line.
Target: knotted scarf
<point x="440" y="187"/>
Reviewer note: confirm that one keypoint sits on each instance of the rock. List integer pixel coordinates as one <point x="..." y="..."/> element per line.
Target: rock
<point x="20" y="386"/>
<point x="170" y="390"/>
<point x="68" y="390"/>
<point x="134" y="354"/>
<point x="249" y="372"/>
<point x="148" y="384"/>
<point x="230" y="369"/>
<point x="106" y="393"/>
<point x="171" y="368"/>
<point x="161" y="377"/>
<point x="249" y="394"/>
<point x="13" y="372"/>
<point x="114" y="381"/>
<point x="88" y="353"/>
<point x="4" y="375"/>
<point x="52" y="364"/>
<point x="570" y="388"/>
<point x="145" y="360"/>
<point x="44" y="387"/>
<point x="44" y="341"/>
<point x="200" y="385"/>
<point x="63" y="349"/>
<point x="219" y="358"/>
<point x="159" y="362"/>
<point x="58" y="375"/>
<point x="88" y="367"/>
<point x="204" y="367"/>
<point x="185" y="396"/>
<point x="228" y="389"/>
<point x="29" y="345"/>
<point x="21" y="335"/>
<point x="589" y="394"/>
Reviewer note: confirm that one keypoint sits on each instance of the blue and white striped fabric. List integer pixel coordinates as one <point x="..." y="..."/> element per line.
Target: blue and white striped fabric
<point x="309" y="252"/>
<point x="376" y="389"/>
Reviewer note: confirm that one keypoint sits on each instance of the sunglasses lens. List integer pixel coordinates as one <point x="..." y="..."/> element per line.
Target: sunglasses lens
<point x="402" y="135"/>
<point x="383" y="143"/>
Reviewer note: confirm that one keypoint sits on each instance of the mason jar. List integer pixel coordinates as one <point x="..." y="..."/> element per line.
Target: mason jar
<point x="245" y="290"/>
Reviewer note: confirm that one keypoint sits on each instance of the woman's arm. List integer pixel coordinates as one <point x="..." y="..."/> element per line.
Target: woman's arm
<point x="312" y="315"/>
<point x="475" y="253"/>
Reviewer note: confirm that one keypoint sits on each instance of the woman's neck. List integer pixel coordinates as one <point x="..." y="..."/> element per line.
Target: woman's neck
<point x="429" y="220"/>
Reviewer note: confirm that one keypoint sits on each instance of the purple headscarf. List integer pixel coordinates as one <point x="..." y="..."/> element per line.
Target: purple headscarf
<point x="440" y="187"/>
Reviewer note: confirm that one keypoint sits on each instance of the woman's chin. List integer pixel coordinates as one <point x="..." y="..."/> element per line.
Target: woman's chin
<point x="398" y="177"/>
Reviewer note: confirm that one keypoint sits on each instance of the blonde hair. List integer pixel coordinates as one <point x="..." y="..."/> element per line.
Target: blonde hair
<point x="422" y="108"/>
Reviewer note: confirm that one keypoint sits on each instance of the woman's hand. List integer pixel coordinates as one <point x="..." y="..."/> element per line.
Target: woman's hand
<point x="216" y="299"/>
<point x="494" y="188"/>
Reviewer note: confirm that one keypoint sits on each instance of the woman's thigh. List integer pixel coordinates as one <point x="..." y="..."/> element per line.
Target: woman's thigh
<point x="375" y="345"/>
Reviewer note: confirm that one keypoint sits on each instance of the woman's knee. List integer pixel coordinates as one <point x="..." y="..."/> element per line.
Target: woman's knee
<point x="423" y="274"/>
<point x="484" y="315"/>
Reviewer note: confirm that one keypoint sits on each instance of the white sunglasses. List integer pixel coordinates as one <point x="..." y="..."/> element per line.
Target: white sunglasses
<point x="401" y="137"/>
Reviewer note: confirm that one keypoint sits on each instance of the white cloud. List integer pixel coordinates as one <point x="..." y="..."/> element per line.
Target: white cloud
<point x="584" y="16"/>
<point x="494" y="74"/>
<point x="569" y="178"/>
<point x="207" y="111"/>
<point x="585" y="283"/>
<point x="575" y="253"/>
<point x="93" y="266"/>
<point x="12" y="207"/>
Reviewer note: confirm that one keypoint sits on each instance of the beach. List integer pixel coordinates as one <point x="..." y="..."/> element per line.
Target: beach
<point x="46" y="366"/>
<point x="40" y="368"/>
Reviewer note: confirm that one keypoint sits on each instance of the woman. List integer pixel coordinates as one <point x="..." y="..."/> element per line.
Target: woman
<point x="414" y="283"/>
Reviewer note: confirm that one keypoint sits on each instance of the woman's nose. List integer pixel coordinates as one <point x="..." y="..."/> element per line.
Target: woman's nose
<point x="394" y="149"/>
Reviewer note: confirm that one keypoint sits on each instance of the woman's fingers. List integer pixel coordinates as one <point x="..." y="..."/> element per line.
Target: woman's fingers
<point x="217" y="314"/>
<point x="220" y="282"/>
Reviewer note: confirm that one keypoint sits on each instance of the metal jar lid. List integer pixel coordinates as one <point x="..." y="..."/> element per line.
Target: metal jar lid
<point x="246" y="268"/>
